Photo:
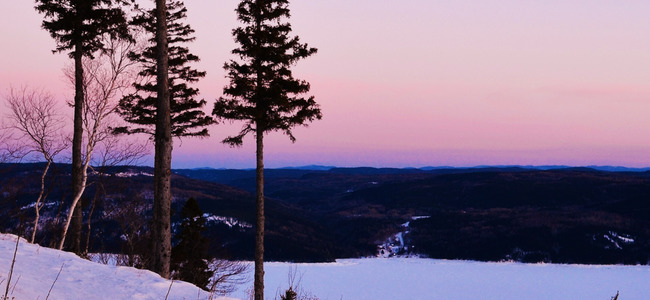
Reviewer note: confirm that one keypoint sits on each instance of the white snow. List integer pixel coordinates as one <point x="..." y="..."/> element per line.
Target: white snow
<point x="614" y="238"/>
<point x="371" y="278"/>
<point x="228" y="221"/>
<point x="627" y="239"/>
<point x="133" y="174"/>
<point x="396" y="245"/>
<point x="417" y="278"/>
<point x="36" y="268"/>
<point x="45" y="205"/>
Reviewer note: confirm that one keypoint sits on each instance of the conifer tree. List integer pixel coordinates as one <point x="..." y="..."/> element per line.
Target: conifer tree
<point x="164" y="105"/>
<point x="77" y="26"/>
<point x="189" y="256"/>
<point x="263" y="92"/>
<point x="139" y="108"/>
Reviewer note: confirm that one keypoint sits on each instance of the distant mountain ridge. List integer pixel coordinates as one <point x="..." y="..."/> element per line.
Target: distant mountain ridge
<point x="229" y="176"/>
<point x="432" y="168"/>
<point x="365" y="169"/>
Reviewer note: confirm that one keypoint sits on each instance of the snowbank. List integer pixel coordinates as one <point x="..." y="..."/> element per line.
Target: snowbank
<point x="37" y="267"/>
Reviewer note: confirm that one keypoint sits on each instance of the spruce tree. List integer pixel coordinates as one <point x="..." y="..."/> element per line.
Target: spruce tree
<point x="189" y="256"/>
<point x="164" y="106"/>
<point x="76" y="26"/>
<point x="263" y="92"/>
<point x="139" y="108"/>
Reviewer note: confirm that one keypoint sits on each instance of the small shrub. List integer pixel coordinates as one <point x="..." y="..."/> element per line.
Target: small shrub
<point x="295" y="291"/>
<point x="289" y="294"/>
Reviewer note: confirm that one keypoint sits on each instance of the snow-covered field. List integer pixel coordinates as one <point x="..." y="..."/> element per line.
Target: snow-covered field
<point x="36" y="269"/>
<point x="375" y="278"/>
<point x="413" y="278"/>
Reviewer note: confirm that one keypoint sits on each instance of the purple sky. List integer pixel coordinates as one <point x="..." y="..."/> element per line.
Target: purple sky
<point x="421" y="82"/>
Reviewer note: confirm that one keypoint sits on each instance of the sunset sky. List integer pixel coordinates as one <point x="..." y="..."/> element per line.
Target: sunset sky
<point x="416" y="83"/>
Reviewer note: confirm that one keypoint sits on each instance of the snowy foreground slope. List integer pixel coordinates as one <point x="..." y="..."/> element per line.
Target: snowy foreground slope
<point x="413" y="278"/>
<point x="37" y="267"/>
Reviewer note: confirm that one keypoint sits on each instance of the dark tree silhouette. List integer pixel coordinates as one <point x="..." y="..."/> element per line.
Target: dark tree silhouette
<point x="189" y="256"/>
<point x="77" y="26"/>
<point x="139" y="108"/>
<point x="263" y="93"/>
<point x="162" y="193"/>
<point x="168" y="104"/>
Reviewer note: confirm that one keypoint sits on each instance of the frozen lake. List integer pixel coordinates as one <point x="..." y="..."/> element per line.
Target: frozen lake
<point x="415" y="278"/>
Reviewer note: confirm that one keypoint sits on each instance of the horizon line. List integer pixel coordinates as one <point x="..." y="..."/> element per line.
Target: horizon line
<point x="316" y="167"/>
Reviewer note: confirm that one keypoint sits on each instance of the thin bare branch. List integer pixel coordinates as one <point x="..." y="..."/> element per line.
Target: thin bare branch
<point x="35" y="122"/>
<point x="170" y="288"/>
<point x="54" y="282"/>
<point x="11" y="270"/>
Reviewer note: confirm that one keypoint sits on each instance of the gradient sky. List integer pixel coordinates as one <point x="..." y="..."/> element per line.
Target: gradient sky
<point x="414" y="83"/>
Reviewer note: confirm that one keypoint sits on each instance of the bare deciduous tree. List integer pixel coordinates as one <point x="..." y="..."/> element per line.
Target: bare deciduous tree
<point x="78" y="27"/>
<point x="36" y="122"/>
<point x="105" y="78"/>
<point x="228" y="275"/>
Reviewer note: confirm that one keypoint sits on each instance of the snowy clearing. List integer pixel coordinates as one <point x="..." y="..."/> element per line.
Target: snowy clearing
<point x="36" y="268"/>
<point x="416" y="278"/>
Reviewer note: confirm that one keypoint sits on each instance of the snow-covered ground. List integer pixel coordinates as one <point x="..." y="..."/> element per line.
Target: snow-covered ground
<point x="36" y="269"/>
<point x="373" y="278"/>
<point x="416" y="278"/>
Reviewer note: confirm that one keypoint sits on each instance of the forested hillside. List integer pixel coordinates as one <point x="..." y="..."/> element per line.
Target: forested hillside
<point x="564" y="215"/>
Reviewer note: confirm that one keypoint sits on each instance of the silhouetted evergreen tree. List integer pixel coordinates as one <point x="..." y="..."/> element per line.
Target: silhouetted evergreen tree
<point x="164" y="106"/>
<point x="77" y="26"/>
<point x="139" y="108"/>
<point x="189" y="256"/>
<point x="263" y="92"/>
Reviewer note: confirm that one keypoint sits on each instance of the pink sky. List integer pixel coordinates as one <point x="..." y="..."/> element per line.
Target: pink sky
<point x="421" y="82"/>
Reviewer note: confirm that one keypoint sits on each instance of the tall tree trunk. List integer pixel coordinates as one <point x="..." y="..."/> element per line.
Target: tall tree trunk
<point x="163" y="157"/>
<point x="259" y="218"/>
<point x="77" y="139"/>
